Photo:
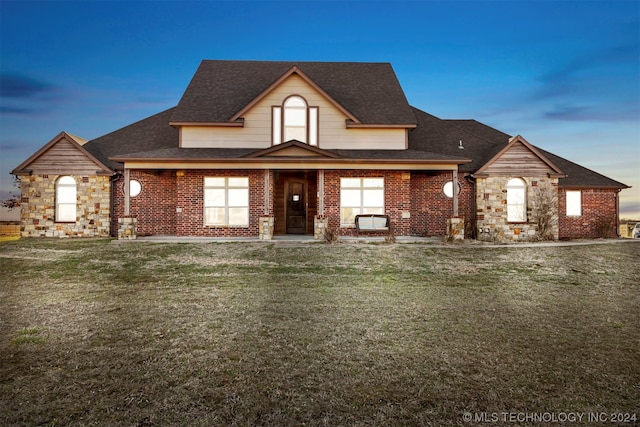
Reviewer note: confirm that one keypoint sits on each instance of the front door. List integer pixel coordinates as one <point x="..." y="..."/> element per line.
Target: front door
<point x="296" y="206"/>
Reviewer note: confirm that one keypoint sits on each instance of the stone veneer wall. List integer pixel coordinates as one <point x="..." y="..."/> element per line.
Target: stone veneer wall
<point x="39" y="201"/>
<point x="491" y="209"/>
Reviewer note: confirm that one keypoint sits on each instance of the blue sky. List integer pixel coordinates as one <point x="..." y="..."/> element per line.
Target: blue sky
<point x="563" y="74"/>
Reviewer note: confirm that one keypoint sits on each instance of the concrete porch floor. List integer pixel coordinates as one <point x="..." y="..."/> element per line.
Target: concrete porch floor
<point x="297" y="238"/>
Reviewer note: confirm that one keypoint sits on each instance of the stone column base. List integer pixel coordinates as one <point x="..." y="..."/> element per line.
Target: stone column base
<point x="319" y="226"/>
<point x="266" y="227"/>
<point x="127" y="228"/>
<point x="455" y="228"/>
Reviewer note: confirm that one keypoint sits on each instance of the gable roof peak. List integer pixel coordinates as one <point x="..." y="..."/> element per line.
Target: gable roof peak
<point x="75" y="142"/>
<point x="221" y="89"/>
<point x="519" y="139"/>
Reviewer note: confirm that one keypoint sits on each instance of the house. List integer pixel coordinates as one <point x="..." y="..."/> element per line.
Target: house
<point x="259" y="148"/>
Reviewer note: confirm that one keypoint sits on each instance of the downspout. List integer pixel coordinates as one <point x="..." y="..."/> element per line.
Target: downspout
<point x="618" y="212"/>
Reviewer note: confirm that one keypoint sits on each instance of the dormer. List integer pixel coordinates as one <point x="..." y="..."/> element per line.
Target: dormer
<point x="232" y="104"/>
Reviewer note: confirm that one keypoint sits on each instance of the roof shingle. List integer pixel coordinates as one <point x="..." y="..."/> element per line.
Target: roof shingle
<point x="220" y="89"/>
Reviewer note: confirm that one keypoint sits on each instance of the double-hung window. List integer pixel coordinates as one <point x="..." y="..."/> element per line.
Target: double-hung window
<point x="66" y="199"/>
<point x="516" y="200"/>
<point x="226" y="201"/>
<point x="360" y="196"/>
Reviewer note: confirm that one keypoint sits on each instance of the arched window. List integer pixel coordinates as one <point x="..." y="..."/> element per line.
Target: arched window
<point x="516" y="200"/>
<point x="66" y="199"/>
<point x="295" y="120"/>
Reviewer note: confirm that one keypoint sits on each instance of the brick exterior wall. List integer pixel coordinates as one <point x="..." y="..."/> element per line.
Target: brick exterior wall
<point x="93" y="207"/>
<point x="599" y="215"/>
<point x="190" y="203"/>
<point x="416" y="194"/>
<point x="154" y="207"/>
<point x="397" y="198"/>
<point x="431" y="208"/>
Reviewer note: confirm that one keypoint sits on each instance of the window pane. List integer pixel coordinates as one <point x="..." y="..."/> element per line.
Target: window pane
<point x="348" y="215"/>
<point x="214" y="182"/>
<point x="214" y="216"/>
<point x="350" y="182"/>
<point x="295" y="101"/>
<point x="373" y="210"/>
<point x="67" y="180"/>
<point x="214" y="197"/>
<point x="313" y="126"/>
<point x="66" y="194"/>
<point x="373" y="182"/>
<point x="239" y="216"/>
<point x="277" y="125"/>
<point x="295" y="133"/>
<point x="238" y="197"/>
<point x="295" y="117"/>
<point x="66" y="212"/>
<point x="574" y="203"/>
<point x="350" y="198"/>
<point x="373" y="198"/>
<point x="515" y="213"/>
<point x="515" y="196"/>
<point x="239" y="182"/>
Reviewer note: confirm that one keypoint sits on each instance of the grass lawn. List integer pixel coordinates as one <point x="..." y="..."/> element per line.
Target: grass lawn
<point x="106" y="333"/>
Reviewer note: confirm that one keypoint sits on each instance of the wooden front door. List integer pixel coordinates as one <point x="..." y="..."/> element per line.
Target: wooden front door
<point x="296" y="206"/>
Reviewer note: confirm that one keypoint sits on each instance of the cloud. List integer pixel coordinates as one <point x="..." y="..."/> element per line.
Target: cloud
<point x="21" y="86"/>
<point x="12" y="109"/>
<point x="21" y="95"/>
<point x="11" y="146"/>
<point x="609" y="113"/>
<point x="601" y="85"/>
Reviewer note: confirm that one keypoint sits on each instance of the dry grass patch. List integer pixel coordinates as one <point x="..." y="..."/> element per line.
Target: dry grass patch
<point x="93" y="332"/>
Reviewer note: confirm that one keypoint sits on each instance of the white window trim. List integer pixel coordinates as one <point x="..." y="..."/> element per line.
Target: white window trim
<point x="517" y="207"/>
<point x="279" y="126"/>
<point x="362" y="189"/>
<point x="226" y="187"/>
<point x="60" y="185"/>
<point x="574" y="203"/>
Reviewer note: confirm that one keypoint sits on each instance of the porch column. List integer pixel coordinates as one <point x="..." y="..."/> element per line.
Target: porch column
<point x="127" y="226"/>
<point x="455" y="192"/>
<point x="455" y="224"/>
<point x="320" y="223"/>
<point x="266" y="221"/>
<point x="267" y="193"/>
<point x="127" y="201"/>
<point x="321" y="192"/>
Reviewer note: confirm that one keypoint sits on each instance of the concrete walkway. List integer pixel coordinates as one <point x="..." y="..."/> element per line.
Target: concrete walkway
<point x="432" y="241"/>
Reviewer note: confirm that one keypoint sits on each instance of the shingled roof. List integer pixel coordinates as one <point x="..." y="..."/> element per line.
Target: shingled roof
<point x="440" y="136"/>
<point x="220" y="89"/>
<point x="147" y="135"/>
<point x="368" y="91"/>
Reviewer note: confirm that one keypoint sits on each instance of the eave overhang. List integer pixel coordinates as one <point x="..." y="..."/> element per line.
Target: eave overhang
<point x="234" y="124"/>
<point x="290" y="163"/>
